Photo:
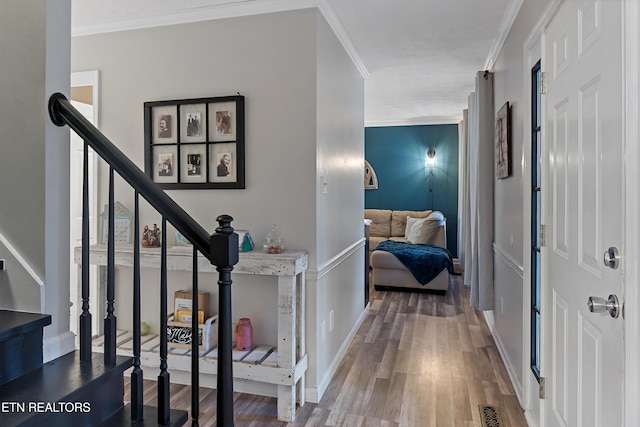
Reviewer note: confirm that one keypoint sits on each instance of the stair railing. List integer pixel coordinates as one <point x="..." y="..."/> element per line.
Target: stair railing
<point x="221" y="249"/>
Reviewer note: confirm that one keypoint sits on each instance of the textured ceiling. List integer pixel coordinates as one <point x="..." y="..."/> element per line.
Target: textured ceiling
<point x="420" y="55"/>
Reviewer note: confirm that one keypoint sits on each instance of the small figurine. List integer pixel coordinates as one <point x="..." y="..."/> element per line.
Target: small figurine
<point x="151" y="237"/>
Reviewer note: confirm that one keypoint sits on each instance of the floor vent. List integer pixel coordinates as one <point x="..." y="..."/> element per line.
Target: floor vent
<point x="490" y="417"/>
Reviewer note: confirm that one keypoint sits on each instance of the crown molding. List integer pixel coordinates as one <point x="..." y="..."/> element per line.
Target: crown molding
<point x="231" y="10"/>
<point x="336" y="25"/>
<point x="434" y="120"/>
<point x="505" y="26"/>
<point x="218" y="11"/>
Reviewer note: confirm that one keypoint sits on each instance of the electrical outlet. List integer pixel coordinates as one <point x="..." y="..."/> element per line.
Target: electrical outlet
<point x="331" y="321"/>
<point x="323" y="331"/>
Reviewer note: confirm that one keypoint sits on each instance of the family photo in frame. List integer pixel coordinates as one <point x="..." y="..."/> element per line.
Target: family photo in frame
<point x="195" y="143"/>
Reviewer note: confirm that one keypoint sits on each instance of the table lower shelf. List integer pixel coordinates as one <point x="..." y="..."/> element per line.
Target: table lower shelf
<point x="258" y="364"/>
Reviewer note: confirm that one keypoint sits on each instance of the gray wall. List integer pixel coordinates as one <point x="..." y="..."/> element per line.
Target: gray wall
<point x="23" y="127"/>
<point x="337" y="278"/>
<point x="34" y="217"/>
<point x="304" y="117"/>
<point x="18" y="289"/>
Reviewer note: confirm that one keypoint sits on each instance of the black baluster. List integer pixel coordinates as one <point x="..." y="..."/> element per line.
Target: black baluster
<point x="163" y="377"/>
<point x="195" y="351"/>
<point x="85" y="316"/>
<point x="110" y="320"/>
<point x="136" y="375"/>
<point x="224" y="255"/>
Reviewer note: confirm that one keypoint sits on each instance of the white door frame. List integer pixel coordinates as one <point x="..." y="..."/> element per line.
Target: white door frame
<point x="631" y="244"/>
<point x="631" y="194"/>
<point x="90" y="78"/>
<point x="532" y="52"/>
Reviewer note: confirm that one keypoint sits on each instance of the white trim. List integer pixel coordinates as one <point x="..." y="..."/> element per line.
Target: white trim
<point x="517" y="386"/>
<point x="505" y="26"/>
<point x="231" y="10"/>
<point x="545" y="321"/>
<point x="435" y="120"/>
<point x="217" y="11"/>
<point x="337" y="26"/>
<point x="631" y="89"/>
<point x="510" y="261"/>
<point x="57" y="346"/>
<point x="89" y="78"/>
<point x="23" y="262"/>
<point x="326" y="267"/>
<point x="529" y="418"/>
<point x="314" y="394"/>
<point x="532" y="52"/>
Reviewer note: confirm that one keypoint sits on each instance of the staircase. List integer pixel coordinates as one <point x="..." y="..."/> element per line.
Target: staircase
<point x="84" y="388"/>
<point x="64" y="391"/>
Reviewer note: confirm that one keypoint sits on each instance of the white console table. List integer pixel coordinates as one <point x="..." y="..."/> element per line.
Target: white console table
<point x="283" y="366"/>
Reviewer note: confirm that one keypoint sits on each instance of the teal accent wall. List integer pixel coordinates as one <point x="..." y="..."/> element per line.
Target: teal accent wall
<point x="398" y="155"/>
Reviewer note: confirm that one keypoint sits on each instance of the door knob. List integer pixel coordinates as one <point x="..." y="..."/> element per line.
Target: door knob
<point x="600" y="305"/>
<point x="612" y="258"/>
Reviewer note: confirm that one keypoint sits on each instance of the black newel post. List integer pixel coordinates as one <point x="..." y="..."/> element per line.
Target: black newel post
<point x="224" y="255"/>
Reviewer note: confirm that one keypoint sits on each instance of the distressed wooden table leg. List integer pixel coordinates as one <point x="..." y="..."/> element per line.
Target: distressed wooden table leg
<point x="287" y="344"/>
<point x="300" y="326"/>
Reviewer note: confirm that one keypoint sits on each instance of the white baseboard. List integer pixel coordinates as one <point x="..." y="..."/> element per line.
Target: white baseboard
<point x="314" y="394"/>
<point x="517" y="386"/>
<point x="57" y="346"/>
<point x="531" y="422"/>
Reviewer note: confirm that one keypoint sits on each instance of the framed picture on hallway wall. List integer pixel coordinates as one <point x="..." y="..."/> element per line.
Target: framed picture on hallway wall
<point x="502" y="143"/>
<point x="195" y="143"/>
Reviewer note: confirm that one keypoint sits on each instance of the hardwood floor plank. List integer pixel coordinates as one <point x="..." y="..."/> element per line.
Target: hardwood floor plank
<point x="393" y="402"/>
<point x="418" y="360"/>
<point x="461" y="406"/>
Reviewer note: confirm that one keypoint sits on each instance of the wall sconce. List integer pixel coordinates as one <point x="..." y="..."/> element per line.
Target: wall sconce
<point x="431" y="157"/>
<point x="431" y="163"/>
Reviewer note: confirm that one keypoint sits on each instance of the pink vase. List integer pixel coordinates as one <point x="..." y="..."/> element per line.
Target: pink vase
<point x="244" y="334"/>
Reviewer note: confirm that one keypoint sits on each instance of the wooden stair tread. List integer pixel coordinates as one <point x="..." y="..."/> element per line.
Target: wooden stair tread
<point x="65" y="379"/>
<point x="15" y="323"/>
<point x="150" y="418"/>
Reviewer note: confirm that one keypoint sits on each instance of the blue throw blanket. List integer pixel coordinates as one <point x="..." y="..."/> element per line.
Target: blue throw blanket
<point x="425" y="262"/>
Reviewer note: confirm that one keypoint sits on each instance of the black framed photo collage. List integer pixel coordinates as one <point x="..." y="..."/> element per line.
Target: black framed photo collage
<point x="195" y="143"/>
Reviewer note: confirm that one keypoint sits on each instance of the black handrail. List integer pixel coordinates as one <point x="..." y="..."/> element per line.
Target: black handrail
<point x="62" y="112"/>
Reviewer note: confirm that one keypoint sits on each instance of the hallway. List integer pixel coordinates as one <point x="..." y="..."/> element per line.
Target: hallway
<point x="418" y="360"/>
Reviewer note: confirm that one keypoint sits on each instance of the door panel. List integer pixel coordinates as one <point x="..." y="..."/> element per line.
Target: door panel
<point x="589" y="174"/>
<point x="560" y="335"/>
<point x="589" y="373"/>
<point x="560" y="186"/>
<point x="583" y="212"/>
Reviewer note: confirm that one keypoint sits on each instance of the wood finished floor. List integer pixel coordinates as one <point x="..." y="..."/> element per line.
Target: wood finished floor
<point x="418" y="360"/>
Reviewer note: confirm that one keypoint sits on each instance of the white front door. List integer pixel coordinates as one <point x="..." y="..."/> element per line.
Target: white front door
<point x="583" y="214"/>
